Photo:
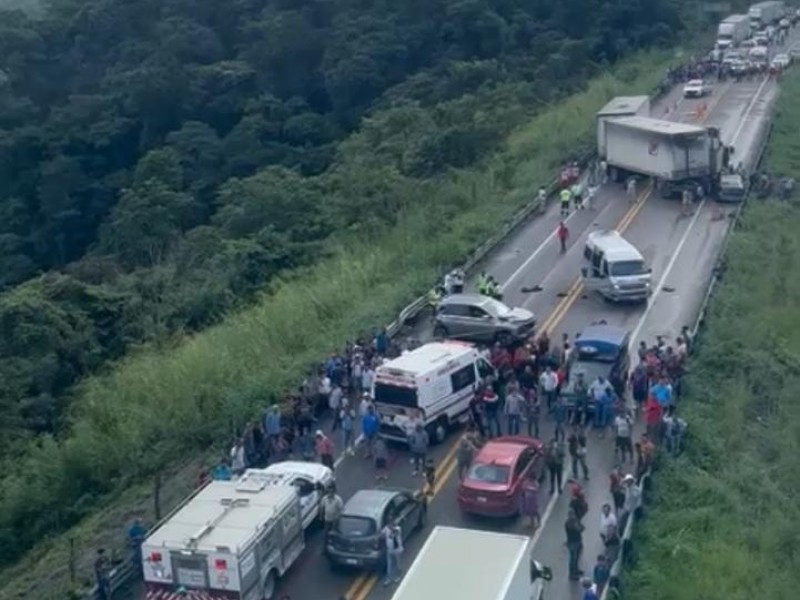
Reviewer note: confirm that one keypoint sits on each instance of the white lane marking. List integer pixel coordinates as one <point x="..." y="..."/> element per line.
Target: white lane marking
<point x="748" y="110"/>
<point x="663" y="279"/>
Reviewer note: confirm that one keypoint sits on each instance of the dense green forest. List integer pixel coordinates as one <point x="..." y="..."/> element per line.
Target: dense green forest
<point x="161" y="162"/>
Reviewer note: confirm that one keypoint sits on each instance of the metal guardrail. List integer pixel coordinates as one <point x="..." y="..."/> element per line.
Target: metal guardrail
<point x="123" y="572"/>
<point x="613" y="590"/>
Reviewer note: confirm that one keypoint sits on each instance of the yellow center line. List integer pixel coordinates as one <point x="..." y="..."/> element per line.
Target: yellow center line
<point x="363" y="584"/>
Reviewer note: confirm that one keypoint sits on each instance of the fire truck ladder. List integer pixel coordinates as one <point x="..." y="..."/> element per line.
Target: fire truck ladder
<point x="228" y="506"/>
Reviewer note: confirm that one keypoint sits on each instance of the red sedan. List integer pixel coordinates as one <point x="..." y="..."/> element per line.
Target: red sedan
<point x="494" y="480"/>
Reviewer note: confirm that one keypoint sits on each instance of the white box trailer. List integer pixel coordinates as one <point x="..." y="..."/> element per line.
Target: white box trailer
<point x="232" y="540"/>
<point x="467" y="564"/>
<point x="766" y="13"/>
<point x="621" y="106"/>
<point x="733" y="31"/>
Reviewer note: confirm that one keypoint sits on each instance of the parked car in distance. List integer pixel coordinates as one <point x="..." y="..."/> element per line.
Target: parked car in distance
<point x="357" y="539"/>
<point x="695" y="88"/>
<point x="495" y="477"/>
<point x="782" y="60"/>
<point x="480" y="318"/>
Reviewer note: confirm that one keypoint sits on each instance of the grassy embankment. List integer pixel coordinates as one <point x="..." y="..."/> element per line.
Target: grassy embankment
<point x="726" y="520"/>
<point x="158" y="409"/>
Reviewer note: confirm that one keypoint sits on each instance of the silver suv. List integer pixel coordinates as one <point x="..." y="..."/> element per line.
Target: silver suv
<point x="481" y="318"/>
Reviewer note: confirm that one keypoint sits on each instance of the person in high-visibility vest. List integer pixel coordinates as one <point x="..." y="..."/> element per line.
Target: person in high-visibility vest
<point x="482" y="283"/>
<point x="434" y="297"/>
<point x="565" y="197"/>
<point x="493" y="289"/>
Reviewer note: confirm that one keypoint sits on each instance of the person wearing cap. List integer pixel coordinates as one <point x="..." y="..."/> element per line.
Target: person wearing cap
<point x="589" y="589"/>
<point x="633" y="495"/>
<point x="324" y="448"/>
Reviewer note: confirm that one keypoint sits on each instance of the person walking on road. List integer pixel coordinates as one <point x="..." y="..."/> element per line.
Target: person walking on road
<point x="633" y="496"/>
<point x="466" y="452"/>
<point x="369" y="429"/>
<point x="532" y="412"/>
<point x="574" y="530"/>
<point x="394" y="550"/>
<point x="577" y="452"/>
<point x="577" y="196"/>
<point x="590" y="591"/>
<point x="418" y="442"/>
<point x="617" y="489"/>
<point x="563" y="235"/>
<point x="381" y="457"/>
<point x="555" y="464"/>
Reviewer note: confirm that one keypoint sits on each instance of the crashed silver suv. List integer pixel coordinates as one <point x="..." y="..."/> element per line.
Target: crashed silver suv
<point x="481" y="319"/>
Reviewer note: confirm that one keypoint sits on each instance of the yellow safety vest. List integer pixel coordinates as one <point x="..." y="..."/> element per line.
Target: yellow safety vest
<point x="566" y="195"/>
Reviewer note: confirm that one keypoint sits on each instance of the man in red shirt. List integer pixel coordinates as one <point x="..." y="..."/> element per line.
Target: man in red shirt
<point x="563" y="233"/>
<point x="652" y="417"/>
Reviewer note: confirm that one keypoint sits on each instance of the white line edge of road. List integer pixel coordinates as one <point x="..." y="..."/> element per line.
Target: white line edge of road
<point x="554" y="499"/>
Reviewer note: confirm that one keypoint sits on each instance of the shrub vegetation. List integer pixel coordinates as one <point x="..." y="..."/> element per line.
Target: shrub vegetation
<point x="726" y="522"/>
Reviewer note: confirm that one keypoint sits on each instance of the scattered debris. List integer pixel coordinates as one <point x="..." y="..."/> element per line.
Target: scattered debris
<point x="528" y="290"/>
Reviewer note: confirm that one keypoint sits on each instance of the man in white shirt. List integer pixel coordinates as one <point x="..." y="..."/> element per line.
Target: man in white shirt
<point x="607" y="520"/>
<point x="623" y="427"/>
<point x="549" y="382"/>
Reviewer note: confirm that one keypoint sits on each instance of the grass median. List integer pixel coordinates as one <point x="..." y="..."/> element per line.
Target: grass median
<point x="158" y="407"/>
<point x="725" y="523"/>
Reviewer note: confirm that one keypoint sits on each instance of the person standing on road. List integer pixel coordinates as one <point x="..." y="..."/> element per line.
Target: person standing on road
<point x="555" y="464"/>
<point x="563" y="235"/>
<point x="532" y="412"/>
<point x="574" y="530"/>
<point x="565" y="196"/>
<point x="633" y="496"/>
<point x="560" y="418"/>
<point x="638" y="383"/>
<point x="549" y="384"/>
<point x="381" y="458"/>
<point x="369" y="429"/>
<point x="324" y="448"/>
<point x="332" y="506"/>
<point x="607" y="520"/>
<point x="580" y="390"/>
<point x="418" y="441"/>
<point x="515" y="402"/>
<point x="529" y="502"/>
<point x="577" y="195"/>
<point x="394" y="550"/>
<point x="623" y="428"/>
<point x="466" y="451"/>
<point x="631" y="190"/>
<point x="491" y="408"/>
<point x="577" y="451"/>
<point x="617" y="489"/>
<point x="601" y="393"/>
<point x="347" y="418"/>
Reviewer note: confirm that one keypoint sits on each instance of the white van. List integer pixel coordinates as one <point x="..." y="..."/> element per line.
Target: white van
<point x="435" y="383"/>
<point x="614" y="268"/>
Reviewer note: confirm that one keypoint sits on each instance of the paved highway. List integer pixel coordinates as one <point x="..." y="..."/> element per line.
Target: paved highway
<point x="682" y="251"/>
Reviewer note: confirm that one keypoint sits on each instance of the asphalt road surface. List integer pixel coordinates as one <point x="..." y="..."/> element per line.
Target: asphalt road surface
<point x="682" y="251"/>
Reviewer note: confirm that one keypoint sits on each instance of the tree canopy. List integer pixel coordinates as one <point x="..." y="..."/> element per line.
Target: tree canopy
<point x="162" y="160"/>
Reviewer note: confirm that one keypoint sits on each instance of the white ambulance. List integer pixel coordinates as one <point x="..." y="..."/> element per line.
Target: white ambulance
<point x="232" y="540"/>
<point x="433" y="384"/>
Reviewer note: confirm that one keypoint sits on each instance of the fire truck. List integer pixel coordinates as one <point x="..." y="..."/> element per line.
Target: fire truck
<point x="231" y="540"/>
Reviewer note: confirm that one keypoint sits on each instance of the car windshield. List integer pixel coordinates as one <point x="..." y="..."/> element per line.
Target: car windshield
<point x="395" y="395"/>
<point x="355" y="527"/>
<point x="497" y="308"/>
<point x="627" y="268"/>
<point x="489" y="473"/>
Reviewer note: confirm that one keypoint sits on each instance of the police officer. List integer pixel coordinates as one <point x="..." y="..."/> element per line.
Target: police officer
<point x="483" y="283"/>
<point x="565" y="197"/>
